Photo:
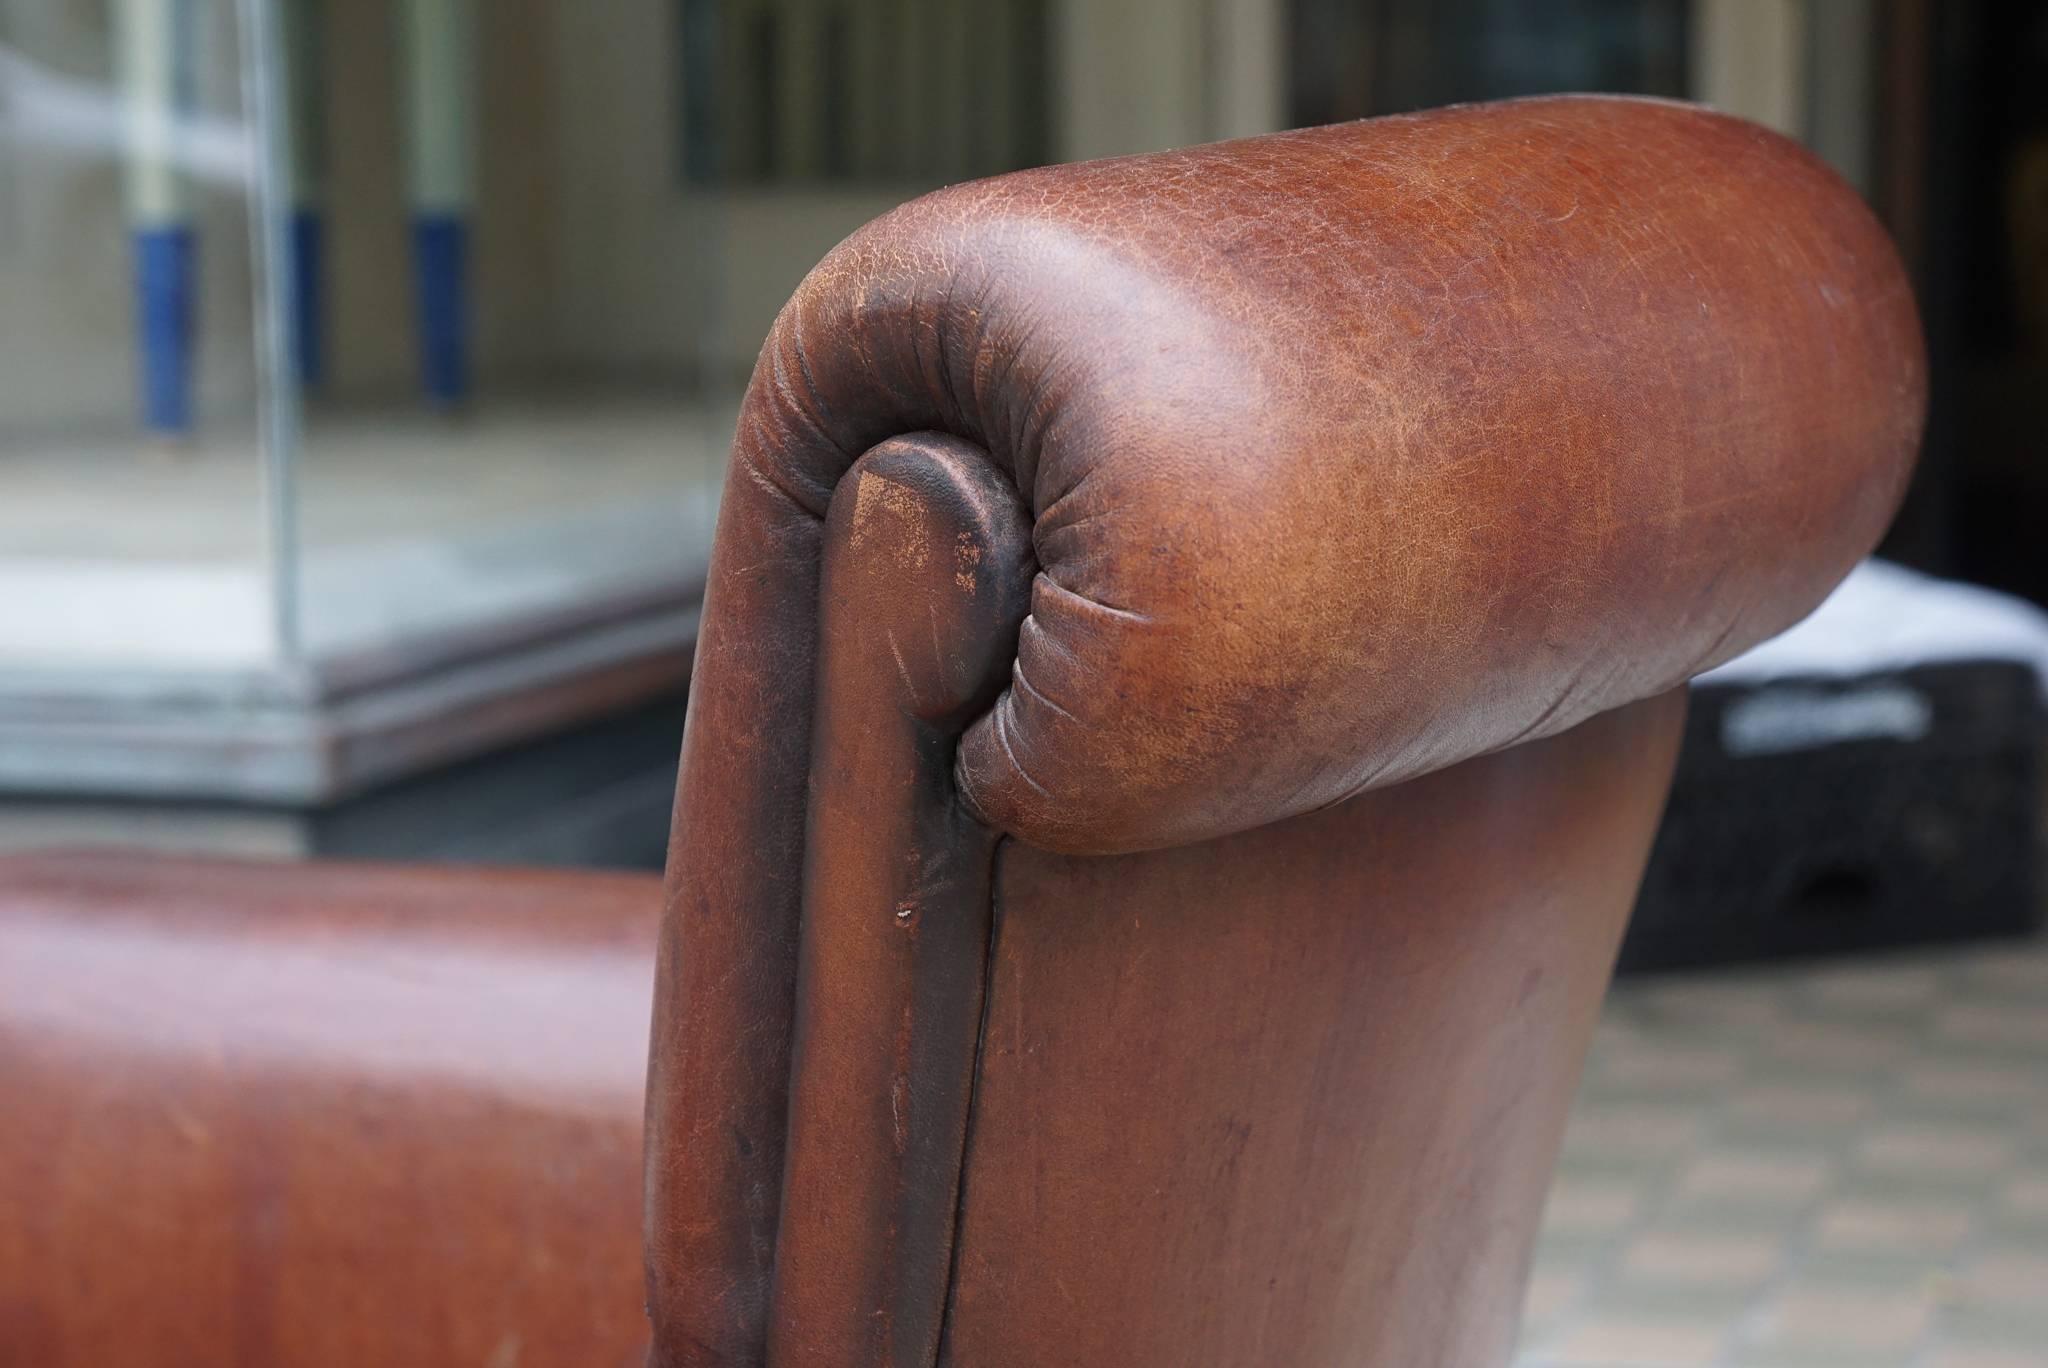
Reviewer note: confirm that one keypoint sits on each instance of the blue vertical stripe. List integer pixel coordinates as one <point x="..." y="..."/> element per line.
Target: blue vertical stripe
<point x="309" y="299"/>
<point x="166" y="260"/>
<point x="440" y="244"/>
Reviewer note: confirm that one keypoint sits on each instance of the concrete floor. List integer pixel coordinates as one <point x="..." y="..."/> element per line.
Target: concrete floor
<point x="1843" y="1166"/>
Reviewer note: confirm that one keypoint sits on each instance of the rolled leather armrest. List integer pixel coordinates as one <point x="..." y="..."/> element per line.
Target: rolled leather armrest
<point x="1358" y="451"/>
<point x="1345" y="455"/>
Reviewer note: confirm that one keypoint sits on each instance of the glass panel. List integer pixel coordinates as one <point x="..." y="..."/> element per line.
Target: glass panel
<point x="132" y="532"/>
<point x="538" y="246"/>
<point x="508" y="434"/>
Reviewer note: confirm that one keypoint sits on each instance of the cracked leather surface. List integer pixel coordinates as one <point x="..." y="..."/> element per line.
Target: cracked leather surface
<point x="1350" y="454"/>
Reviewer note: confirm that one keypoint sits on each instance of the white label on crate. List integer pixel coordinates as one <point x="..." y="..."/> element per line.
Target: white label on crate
<point x="1772" y="721"/>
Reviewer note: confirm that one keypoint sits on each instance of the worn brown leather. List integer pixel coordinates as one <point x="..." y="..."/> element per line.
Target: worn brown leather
<point x="307" y="1116"/>
<point x="1351" y="456"/>
<point x="1192" y="971"/>
<point x="1294" y="1096"/>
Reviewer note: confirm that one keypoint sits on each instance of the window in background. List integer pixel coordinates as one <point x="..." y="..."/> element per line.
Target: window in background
<point x="781" y="92"/>
<point x="1357" y="58"/>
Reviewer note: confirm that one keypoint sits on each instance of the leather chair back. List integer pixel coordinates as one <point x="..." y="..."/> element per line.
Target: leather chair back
<point x="1186" y="687"/>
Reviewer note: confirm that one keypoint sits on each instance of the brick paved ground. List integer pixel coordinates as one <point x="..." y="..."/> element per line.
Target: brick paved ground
<point x="1838" y="1166"/>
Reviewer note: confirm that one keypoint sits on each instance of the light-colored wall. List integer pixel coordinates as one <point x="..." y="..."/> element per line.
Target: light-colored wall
<point x="1246" y="61"/>
<point x="1807" y="68"/>
<point x="1106" y="110"/>
<point x="1748" y="57"/>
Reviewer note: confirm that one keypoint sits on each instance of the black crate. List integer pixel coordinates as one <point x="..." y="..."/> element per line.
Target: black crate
<point x="1818" y="816"/>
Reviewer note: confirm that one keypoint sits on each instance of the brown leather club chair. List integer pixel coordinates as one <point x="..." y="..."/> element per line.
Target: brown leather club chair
<point x="1193" y="660"/>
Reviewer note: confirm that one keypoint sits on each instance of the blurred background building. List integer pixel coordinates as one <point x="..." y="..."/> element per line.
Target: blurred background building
<point x="366" y="368"/>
